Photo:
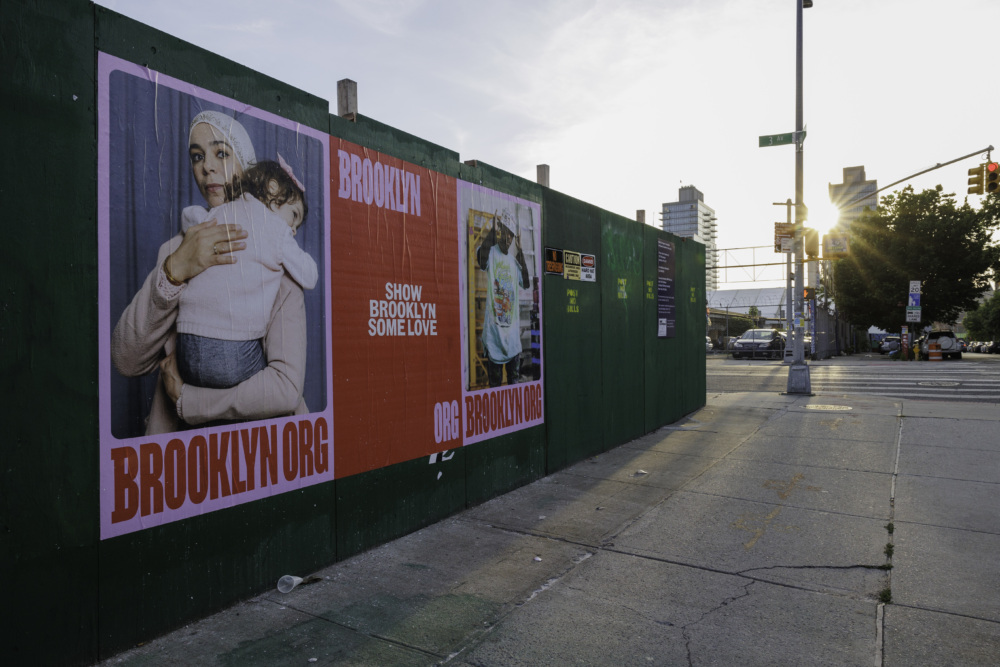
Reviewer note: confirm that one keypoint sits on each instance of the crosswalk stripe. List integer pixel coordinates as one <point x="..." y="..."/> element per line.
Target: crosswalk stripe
<point x="955" y="381"/>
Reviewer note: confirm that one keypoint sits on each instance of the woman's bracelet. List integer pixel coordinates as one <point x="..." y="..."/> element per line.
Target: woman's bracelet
<point x="170" y="277"/>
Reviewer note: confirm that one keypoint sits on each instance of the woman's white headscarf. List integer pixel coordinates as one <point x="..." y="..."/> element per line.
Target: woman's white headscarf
<point x="234" y="133"/>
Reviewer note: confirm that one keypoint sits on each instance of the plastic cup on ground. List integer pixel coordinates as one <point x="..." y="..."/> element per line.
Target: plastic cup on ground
<point x="288" y="582"/>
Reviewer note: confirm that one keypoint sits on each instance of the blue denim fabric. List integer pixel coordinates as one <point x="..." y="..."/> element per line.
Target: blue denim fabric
<point x="216" y="363"/>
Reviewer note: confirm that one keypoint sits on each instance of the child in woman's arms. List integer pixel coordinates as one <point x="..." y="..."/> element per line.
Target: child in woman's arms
<point x="223" y="312"/>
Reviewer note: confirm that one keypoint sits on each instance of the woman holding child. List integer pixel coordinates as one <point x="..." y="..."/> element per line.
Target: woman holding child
<point x="267" y="345"/>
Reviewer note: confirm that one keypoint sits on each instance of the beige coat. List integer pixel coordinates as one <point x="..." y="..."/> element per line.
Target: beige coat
<point x="145" y="333"/>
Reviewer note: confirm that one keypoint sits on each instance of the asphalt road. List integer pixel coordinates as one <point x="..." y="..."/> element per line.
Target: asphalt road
<point x="974" y="378"/>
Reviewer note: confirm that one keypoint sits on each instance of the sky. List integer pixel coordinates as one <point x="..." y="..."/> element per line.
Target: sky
<point x="628" y="100"/>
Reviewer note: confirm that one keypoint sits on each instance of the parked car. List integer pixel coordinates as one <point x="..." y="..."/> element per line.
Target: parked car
<point x="889" y="344"/>
<point x="759" y="344"/>
<point x="946" y="340"/>
<point x="787" y="341"/>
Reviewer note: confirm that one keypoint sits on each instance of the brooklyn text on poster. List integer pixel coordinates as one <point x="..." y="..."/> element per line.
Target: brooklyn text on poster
<point x="502" y="325"/>
<point x="215" y="380"/>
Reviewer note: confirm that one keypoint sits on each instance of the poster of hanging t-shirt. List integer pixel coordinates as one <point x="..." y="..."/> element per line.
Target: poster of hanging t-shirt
<point x="665" y="307"/>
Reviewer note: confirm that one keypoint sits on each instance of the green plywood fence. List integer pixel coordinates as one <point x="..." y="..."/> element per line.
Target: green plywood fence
<point x="572" y="343"/>
<point x="675" y="367"/>
<point x="608" y="378"/>
<point x="623" y="328"/>
<point x="48" y="316"/>
<point x="691" y="320"/>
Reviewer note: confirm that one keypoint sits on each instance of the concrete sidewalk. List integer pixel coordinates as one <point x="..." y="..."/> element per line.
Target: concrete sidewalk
<point x="762" y="530"/>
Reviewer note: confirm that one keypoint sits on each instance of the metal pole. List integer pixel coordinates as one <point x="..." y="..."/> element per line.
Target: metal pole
<point x="789" y="344"/>
<point x="788" y="287"/>
<point x="798" y="371"/>
<point x="866" y="195"/>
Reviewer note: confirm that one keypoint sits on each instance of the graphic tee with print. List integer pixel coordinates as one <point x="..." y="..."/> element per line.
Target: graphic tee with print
<point x="502" y="326"/>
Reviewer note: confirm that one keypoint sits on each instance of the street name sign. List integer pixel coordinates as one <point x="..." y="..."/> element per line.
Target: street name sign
<point x="779" y="139"/>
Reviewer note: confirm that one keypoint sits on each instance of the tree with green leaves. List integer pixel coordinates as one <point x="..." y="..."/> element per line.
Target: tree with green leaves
<point x="737" y="325"/>
<point x="921" y="236"/>
<point x="754" y="314"/>
<point x="983" y="323"/>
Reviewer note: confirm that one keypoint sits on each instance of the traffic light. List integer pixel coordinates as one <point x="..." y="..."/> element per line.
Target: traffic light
<point x="801" y="213"/>
<point x="976" y="179"/>
<point x="992" y="177"/>
<point x="811" y="242"/>
<point x="808" y="293"/>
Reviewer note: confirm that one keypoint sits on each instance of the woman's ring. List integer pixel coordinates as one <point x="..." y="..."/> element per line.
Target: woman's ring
<point x="215" y="249"/>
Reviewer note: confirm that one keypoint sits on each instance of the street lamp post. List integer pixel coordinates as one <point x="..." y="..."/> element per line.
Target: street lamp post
<point x="798" y="371"/>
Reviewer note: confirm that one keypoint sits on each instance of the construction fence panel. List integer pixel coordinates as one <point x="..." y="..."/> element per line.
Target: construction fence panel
<point x="573" y="336"/>
<point x="441" y="360"/>
<point x="620" y="272"/>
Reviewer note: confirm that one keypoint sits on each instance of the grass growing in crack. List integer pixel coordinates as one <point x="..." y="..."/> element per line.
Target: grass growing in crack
<point x="885" y="595"/>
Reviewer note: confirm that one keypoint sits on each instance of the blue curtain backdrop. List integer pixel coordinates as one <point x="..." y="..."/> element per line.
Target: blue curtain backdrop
<point x="151" y="183"/>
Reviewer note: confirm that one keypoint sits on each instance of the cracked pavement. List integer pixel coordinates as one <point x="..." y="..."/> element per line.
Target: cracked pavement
<point x="755" y="534"/>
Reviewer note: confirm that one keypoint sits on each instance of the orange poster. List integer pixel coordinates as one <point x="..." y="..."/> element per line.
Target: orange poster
<point x="396" y="322"/>
<point x="437" y="323"/>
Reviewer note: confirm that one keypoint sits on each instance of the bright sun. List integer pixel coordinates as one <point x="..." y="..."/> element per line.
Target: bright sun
<point x="823" y="218"/>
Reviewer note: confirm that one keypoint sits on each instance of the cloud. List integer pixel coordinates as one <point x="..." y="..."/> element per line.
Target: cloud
<point x="390" y="17"/>
<point x="257" y="27"/>
<point x="626" y="100"/>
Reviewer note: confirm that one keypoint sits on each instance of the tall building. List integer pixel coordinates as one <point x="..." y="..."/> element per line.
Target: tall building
<point x="853" y="196"/>
<point x="691" y="218"/>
